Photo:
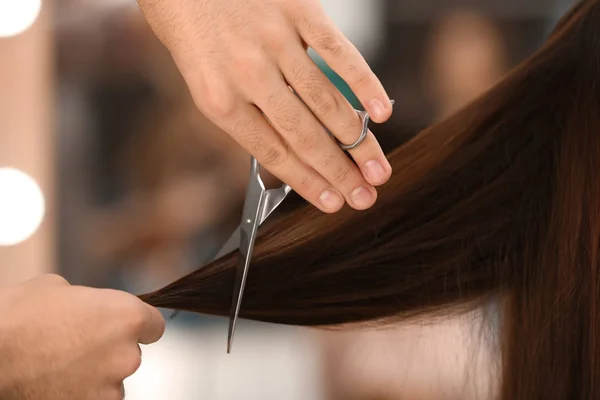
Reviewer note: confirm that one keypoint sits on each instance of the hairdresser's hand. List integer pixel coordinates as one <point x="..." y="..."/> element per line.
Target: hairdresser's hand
<point x="238" y="58"/>
<point x="65" y="342"/>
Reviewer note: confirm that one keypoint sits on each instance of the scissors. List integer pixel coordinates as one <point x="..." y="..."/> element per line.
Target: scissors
<point x="259" y="204"/>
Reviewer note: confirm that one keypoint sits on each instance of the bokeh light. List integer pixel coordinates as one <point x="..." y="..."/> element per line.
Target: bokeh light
<point x="22" y="206"/>
<point x="16" y="16"/>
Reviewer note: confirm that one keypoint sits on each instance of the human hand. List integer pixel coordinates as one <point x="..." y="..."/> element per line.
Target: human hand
<point x="241" y="57"/>
<point x="65" y="342"/>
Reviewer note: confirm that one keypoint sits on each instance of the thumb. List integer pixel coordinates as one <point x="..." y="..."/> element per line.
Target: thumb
<point x="154" y="326"/>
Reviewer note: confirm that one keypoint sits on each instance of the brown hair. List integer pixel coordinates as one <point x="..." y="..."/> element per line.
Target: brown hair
<point x="499" y="202"/>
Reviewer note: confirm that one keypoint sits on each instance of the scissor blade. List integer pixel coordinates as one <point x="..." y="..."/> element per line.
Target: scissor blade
<point x="232" y="243"/>
<point x="273" y="198"/>
<point x="241" y="273"/>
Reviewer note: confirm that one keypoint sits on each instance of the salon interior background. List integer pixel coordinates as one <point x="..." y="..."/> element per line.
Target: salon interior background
<point x="110" y="177"/>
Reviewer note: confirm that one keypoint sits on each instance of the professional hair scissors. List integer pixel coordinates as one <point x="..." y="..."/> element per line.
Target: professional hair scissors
<point x="259" y="204"/>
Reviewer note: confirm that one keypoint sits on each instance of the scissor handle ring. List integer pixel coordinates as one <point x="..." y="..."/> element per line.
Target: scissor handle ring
<point x="364" y="116"/>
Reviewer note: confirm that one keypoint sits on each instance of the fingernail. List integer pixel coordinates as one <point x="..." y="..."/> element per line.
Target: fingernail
<point x="377" y="109"/>
<point x="331" y="200"/>
<point x="375" y="171"/>
<point x="362" y="197"/>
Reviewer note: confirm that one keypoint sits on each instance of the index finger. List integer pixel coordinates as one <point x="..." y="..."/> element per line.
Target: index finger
<point x="320" y="33"/>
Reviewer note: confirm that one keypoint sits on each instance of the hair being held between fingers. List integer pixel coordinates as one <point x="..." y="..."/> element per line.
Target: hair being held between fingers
<point x="498" y="203"/>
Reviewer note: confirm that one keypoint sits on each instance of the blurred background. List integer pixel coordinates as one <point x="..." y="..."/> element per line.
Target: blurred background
<point x="111" y="177"/>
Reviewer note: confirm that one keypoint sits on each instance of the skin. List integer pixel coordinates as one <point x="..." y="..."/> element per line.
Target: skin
<point x="67" y="342"/>
<point x="240" y="58"/>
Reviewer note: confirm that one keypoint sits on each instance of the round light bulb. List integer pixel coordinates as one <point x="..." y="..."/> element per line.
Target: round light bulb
<point x="22" y="206"/>
<point x="16" y="16"/>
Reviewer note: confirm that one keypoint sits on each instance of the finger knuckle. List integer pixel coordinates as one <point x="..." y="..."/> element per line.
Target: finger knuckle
<point x="215" y="101"/>
<point x="252" y="65"/>
<point x="278" y="103"/>
<point x="350" y="69"/>
<point x="274" y="156"/>
<point x="270" y="153"/>
<point x="217" y="105"/>
<point x="286" y="115"/>
<point x="362" y="77"/>
<point x="290" y="120"/>
<point x="311" y="82"/>
<point x="248" y="128"/>
<point x="307" y="141"/>
<point x="327" y="160"/>
<point x="329" y="42"/>
<point x="253" y="141"/>
<point x="306" y="184"/>
<point x="298" y="72"/>
<point x="325" y="103"/>
<point x="343" y="174"/>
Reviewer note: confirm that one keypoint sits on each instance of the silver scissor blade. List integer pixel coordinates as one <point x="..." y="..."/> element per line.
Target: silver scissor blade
<point x="241" y="273"/>
<point x="273" y="198"/>
<point x="232" y="243"/>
